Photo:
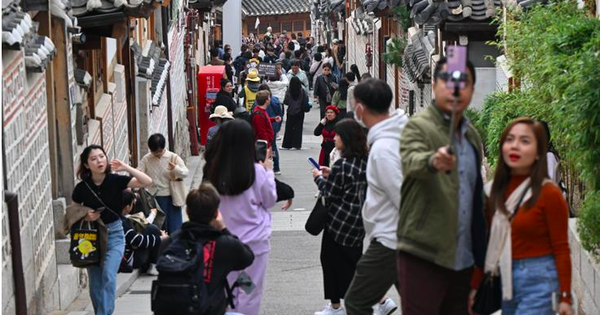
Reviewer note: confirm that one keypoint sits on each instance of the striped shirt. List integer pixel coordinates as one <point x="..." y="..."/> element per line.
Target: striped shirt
<point x="344" y="191"/>
<point x="138" y="240"/>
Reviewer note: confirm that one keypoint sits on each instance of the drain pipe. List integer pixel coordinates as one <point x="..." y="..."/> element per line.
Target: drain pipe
<point x="12" y="202"/>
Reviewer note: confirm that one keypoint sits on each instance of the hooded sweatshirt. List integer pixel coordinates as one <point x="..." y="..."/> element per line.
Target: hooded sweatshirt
<point x="381" y="209"/>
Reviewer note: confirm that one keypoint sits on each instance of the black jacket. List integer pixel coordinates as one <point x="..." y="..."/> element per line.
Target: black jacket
<point x="230" y="254"/>
<point x="225" y="99"/>
<point x="322" y="85"/>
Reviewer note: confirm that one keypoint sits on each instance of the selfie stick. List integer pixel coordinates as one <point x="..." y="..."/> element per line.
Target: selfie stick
<point x="456" y="77"/>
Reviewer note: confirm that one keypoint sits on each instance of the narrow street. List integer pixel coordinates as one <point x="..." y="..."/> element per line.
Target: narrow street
<point x="294" y="284"/>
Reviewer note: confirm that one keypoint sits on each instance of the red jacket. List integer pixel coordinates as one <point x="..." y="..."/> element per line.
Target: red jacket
<point x="263" y="130"/>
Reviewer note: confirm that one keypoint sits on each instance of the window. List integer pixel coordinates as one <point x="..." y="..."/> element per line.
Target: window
<point x="298" y="26"/>
<point x="286" y="26"/>
<point x="251" y="28"/>
<point x="263" y="28"/>
<point x="276" y="27"/>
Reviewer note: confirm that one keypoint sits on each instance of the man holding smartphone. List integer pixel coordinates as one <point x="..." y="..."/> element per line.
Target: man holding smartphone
<point x="441" y="230"/>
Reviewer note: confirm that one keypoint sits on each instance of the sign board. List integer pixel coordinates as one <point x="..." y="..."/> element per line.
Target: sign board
<point x="267" y="70"/>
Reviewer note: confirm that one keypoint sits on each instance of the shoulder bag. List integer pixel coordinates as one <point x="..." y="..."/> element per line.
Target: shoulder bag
<point x="177" y="186"/>
<point x="488" y="299"/>
<point x="316" y="220"/>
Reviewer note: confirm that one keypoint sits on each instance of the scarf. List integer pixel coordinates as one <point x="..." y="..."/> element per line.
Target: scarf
<point x="499" y="252"/>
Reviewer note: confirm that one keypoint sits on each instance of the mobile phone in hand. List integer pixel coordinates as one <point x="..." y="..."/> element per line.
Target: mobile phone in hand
<point x="261" y="150"/>
<point x="457" y="62"/>
<point x="314" y="163"/>
<point x="100" y="209"/>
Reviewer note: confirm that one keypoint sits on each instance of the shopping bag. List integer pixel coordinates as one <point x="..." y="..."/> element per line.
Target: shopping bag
<point x="85" y="244"/>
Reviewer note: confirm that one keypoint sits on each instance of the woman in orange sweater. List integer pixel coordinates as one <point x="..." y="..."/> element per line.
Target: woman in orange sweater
<point x="529" y="227"/>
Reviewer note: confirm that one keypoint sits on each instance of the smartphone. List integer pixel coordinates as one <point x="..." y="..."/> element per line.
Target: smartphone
<point x="457" y="61"/>
<point x="314" y="163"/>
<point x="100" y="209"/>
<point x="261" y="150"/>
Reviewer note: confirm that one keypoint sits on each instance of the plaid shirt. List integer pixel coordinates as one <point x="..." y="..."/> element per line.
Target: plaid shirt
<point x="344" y="191"/>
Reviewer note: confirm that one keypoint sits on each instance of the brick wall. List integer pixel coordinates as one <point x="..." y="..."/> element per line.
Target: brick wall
<point x="27" y="159"/>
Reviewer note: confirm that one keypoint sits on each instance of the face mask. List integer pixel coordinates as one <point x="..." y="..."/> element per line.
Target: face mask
<point x="359" y="119"/>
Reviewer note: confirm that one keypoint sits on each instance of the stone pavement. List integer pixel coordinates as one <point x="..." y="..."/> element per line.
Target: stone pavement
<point x="294" y="284"/>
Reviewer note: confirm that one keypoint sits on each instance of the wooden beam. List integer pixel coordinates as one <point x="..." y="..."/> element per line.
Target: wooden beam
<point x="62" y="108"/>
<point x="43" y="17"/>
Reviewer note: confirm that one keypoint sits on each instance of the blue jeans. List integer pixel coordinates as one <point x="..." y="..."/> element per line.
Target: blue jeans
<point x="174" y="218"/>
<point x="103" y="280"/>
<point x="275" y="154"/>
<point x="534" y="281"/>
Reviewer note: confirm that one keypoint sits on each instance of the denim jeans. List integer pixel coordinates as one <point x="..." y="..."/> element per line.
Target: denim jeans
<point x="174" y="218"/>
<point x="275" y="154"/>
<point x="534" y="280"/>
<point x="103" y="280"/>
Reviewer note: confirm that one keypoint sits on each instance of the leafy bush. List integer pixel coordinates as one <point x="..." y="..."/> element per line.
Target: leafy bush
<point x="554" y="51"/>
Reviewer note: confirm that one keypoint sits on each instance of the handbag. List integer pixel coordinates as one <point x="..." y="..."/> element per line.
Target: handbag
<point x="148" y="202"/>
<point x="488" y="298"/>
<point x="177" y="187"/>
<point x="316" y="220"/>
<point x="84" y="249"/>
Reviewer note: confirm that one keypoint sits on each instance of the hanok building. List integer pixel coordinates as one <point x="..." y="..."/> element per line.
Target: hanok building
<point x="289" y="15"/>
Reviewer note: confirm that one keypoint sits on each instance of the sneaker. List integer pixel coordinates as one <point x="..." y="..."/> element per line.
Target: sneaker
<point x="386" y="308"/>
<point x="277" y="172"/>
<point x="152" y="270"/>
<point x="328" y="310"/>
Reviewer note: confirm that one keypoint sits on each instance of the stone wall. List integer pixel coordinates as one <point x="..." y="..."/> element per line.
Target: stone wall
<point x="585" y="275"/>
<point x="27" y="160"/>
<point x="181" y="135"/>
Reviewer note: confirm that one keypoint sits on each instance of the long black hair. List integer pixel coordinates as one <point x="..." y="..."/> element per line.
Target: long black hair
<point x="230" y="158"/>
<point x="83" y="172"/>
<point x="353" y="137"/>
<point x="343" y="88"/>
<point x="354" y="68"/>
<point x="295" y="88"/>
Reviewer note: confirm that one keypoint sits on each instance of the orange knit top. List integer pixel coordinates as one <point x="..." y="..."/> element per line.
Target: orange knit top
<point x="543" y="230"/>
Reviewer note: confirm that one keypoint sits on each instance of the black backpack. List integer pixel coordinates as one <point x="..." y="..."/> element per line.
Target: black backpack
<point x="180" y="287"/>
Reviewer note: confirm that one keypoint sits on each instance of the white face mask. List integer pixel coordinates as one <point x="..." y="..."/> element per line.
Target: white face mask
<point x="359" y="119"/>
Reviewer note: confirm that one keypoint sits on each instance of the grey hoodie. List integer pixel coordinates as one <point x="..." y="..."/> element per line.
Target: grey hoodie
<point x="381" y="209"/>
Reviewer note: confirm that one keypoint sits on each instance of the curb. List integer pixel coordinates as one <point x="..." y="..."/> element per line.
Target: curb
<point x="124" y="281"/>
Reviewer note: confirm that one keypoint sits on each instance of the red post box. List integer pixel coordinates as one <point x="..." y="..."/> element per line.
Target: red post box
<point x="209" y="84"/>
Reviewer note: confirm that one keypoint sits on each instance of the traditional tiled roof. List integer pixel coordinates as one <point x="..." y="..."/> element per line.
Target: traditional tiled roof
<point x="274" y="7"/>
<point x="417" y="55"/>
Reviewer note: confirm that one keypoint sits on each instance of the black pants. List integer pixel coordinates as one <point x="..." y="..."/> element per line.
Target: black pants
<point x="323" y="106"/>
<point x="429" y="289"/>
<point x="338" y="263"/>
<point x="143" y="257"/>
<point x="292" y="138"/>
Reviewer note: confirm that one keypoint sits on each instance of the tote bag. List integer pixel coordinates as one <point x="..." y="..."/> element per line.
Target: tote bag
<point x="85" y="244"/>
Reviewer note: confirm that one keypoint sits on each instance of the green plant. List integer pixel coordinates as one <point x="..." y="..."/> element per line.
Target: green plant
<point x="589" y="220"/>
<point x="395" y="51"/>
<point x="403" y="16"/>
<point x="554" y="51"/>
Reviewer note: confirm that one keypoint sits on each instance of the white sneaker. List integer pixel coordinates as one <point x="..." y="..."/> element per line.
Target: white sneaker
<point x="329" y="310"/>
<point x="385" y="308"/>
<point x="152" y="270"/>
